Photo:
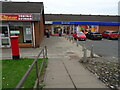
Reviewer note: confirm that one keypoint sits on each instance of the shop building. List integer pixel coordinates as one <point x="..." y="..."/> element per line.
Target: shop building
<point x="24" y="19"/>
<point x="68" y="23"/>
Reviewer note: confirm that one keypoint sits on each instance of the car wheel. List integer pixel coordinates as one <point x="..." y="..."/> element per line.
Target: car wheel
<point x="108" y="38"/>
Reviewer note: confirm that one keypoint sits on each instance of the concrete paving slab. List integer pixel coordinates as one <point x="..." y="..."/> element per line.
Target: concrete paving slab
<point x="81" y="76"/>
<point x="68" y="65"/>
<point x="56" y="75"/>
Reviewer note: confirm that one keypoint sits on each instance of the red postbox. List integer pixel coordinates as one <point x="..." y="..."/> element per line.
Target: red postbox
<point x="15" y="47"/>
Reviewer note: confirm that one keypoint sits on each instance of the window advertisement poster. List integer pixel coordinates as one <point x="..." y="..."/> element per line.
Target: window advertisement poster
<point x="93" y="28"/>
<point x="27" y="35"/>
<point x="28" y="30"/>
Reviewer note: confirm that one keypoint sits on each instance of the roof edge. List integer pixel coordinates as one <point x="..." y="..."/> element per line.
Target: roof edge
<point x="82" y="14"/>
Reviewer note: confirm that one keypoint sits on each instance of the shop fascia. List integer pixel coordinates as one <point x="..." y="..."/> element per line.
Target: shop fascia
<point x="16" y="17"/>
<point x="19" y="17"/>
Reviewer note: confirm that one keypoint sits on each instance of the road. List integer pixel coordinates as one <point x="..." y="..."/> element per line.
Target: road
<point x="104" y="48"/>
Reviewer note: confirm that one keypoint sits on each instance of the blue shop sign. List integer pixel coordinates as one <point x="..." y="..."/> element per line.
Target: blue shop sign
<point x="85" y="23"/>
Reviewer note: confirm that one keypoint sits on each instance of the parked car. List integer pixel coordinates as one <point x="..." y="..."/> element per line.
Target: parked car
<point x="79" y="36"/>
<point x="94" y="35"/>
<point x="110" y="34"/>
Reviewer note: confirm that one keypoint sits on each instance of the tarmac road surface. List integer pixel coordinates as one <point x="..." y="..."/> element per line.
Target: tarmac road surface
<point x="104" y="48"/>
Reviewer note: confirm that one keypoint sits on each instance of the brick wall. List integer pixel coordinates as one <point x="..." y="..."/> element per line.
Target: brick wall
<point x="41" y="29"/>
<point x="39" y="32"/>
<point x="48" y="27"/>
<point x="25" y="45"/>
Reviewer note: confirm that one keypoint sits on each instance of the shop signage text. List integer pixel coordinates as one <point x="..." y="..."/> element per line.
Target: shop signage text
<point x="48" y="22"/>
<point x="19" y="17"/>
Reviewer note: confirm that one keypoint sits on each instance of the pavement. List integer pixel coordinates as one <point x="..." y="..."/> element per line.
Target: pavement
<point x="24" y="53"/>
<point x="64" y="69"/>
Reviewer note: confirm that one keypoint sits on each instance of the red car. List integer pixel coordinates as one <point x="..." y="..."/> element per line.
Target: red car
<point x="110" y="34"/>
<point x="79" y="36"/>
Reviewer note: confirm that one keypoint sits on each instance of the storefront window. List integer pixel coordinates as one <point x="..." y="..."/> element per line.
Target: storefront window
<point x="4" y="31"/>
<point x="21" y="29"/>
<point x="63" y="28"/>
<point x="24" y="33"/>
<point x="57" y="29"/>
<point x="4" y="36"/>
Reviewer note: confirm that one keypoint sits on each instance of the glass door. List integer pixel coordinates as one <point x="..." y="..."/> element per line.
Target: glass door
<point x="4" y="35"/>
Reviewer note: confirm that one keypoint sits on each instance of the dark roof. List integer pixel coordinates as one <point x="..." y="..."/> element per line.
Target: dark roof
<point x="80" y="17"/>
<point x="22" y="7"/>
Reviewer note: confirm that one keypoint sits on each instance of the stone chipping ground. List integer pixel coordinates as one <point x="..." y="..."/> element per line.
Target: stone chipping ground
<point x="105" y="69"/>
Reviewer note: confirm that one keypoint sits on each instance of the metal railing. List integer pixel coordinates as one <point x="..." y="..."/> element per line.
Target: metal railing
<point x="43" y="52"/>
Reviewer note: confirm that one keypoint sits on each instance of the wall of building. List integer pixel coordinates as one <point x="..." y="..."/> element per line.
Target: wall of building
<point x="39" y="32"/>
<point x="25" y="45"/>
<point x="108" y="27"/>
<point x="41" y="29"/>
<point x="49" y="27"/>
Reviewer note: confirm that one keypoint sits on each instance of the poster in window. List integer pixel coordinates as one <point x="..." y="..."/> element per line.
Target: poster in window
<point x="28" y="31"/>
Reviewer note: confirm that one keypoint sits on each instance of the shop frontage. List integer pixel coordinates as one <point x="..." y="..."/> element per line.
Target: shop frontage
<point x="69" y="23"/>
<point x="14" y="25"/>
<point x="22" y="25"/>
<point x="27" y="23"/>
<point x="62" y="28"/>
<point x="71" y="27"/>
<point x="22" y="29"/>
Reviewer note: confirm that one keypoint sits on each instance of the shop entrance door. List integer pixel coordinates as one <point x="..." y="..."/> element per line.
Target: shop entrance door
<point x="20" y="35"/>
<point x="4" y="36"/>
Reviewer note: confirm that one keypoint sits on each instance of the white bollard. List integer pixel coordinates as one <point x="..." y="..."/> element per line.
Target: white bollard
<point x="77" y="43"/>
<point x="73" y="39"/>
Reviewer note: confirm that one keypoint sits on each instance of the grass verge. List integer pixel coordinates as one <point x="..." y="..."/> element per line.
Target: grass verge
<point x="13" y="71"/>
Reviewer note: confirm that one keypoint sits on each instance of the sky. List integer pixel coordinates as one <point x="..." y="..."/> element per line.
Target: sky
<point x="93" y="7"/>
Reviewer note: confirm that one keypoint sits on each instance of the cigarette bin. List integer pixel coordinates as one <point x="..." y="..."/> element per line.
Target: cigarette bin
<point x="15" y="47"/>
